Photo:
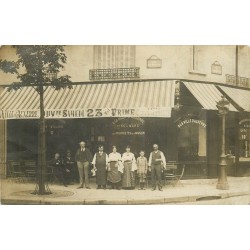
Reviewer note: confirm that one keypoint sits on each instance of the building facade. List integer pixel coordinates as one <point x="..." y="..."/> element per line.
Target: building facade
<point x="139" y="95"/>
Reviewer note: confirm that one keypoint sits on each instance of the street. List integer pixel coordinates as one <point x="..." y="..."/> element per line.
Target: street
<point x="202" y="191"/>
<point x="237" y="200"/>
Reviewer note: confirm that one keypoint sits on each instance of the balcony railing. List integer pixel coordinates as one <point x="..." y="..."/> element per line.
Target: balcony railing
<point x="242" y="81"/>
<point x="114" y="74"/>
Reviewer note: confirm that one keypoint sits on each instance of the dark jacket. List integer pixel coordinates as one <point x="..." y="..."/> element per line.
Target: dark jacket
<point x="57" y="164"/>
<point x="83" y="156"/>
<point x="69" y="162"/>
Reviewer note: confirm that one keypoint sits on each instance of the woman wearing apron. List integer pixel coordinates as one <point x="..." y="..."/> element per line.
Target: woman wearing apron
<point x="115" y="169"/>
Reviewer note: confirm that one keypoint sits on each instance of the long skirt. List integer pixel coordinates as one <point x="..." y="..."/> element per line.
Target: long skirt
<point x="114" y="176"/>
<point x="128" y="178"/>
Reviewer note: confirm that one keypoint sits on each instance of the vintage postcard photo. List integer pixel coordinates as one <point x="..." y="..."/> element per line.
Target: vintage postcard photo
<point x="125" y="124"/>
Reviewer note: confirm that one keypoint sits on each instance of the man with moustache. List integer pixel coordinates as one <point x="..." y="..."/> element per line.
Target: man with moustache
<point x="156" y="161"/>
<point x="83" y="158"/>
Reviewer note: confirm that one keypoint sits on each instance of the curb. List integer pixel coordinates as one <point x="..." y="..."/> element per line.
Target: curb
<point x="162" y="200"/>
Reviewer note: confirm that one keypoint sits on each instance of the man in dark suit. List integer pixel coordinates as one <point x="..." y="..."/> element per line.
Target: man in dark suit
<point x="59" y="169"/>
<point x="71" y="166"/>
<point x="83" y="158"/>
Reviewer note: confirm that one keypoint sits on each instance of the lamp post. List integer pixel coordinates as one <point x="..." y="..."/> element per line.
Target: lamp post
<point x="223" y="108"/>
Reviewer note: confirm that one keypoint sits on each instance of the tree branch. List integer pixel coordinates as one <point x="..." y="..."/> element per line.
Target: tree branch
<point x="8" y="66"/>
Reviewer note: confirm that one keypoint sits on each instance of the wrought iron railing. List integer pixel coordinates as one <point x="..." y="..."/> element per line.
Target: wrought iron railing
<point x="242" y="81"/>
<point x="113" y="74"/>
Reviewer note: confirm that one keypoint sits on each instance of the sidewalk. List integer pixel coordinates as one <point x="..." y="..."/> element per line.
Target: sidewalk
<point x="190" y="191"/>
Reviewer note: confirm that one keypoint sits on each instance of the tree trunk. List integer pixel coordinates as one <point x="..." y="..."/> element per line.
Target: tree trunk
<point x="41" y="146"/>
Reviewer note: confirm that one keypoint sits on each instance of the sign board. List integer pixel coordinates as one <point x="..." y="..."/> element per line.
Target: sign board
<point x="216" y="68"/>
<point x="189" y="121"/>
<point x="153" y="62"/>
<point x="87" y="113"/>
<point x="128" y="126"/>
<point x="19" y="114"/>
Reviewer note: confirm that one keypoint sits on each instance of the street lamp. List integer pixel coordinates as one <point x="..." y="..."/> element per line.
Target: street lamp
<point x="223" y="108"/>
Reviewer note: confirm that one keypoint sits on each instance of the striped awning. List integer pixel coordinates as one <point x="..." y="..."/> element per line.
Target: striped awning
<point x="239" y="96"/>
<point x="206" y="94"/>
<point x="124" y="99"/>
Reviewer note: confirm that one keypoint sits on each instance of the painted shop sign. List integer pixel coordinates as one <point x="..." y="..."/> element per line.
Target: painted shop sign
<point x="190" y="121"/>
<point x="245" y="123"/>
<point x="120" y="123"/>
<point x="129" y="133"/>
<point x="87" y="113"/>
<point x="19" y="114"/>
<point x="128" y="126"/>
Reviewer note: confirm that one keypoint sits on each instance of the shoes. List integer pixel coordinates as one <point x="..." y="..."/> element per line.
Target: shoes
<point x="98" y="188"/>
<point x="79" y="187"/>
<point x="65" y="185"/>
<point x="88" y="187"/>
<point x="139" y="188"/>
<point x="153" y="189"/>
<point x="160" y="189"/>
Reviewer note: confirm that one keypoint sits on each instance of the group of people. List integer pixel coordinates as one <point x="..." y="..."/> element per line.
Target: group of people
<point x="64" y="168"/>
<point x="116" y="170"/>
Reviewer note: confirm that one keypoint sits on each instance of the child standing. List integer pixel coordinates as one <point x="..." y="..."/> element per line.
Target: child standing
<point x="142" y="166"/>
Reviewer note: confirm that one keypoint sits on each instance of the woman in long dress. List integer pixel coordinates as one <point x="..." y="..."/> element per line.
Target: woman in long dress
<point x="115" y="169"/>
<point x="128" y="178"/>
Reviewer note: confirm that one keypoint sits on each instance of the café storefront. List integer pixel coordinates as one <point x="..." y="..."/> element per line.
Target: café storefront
<point x="179" y="116"/>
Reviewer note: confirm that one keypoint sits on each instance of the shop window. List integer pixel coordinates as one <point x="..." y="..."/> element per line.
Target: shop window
<point x="192" y="139"/>
<point x="244" y="140"/>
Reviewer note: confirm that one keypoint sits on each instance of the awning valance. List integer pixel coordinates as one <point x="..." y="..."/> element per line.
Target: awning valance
<point x="206" y="94"/>
<point x="240" y="96"/>
<point x="124" y="99"/>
